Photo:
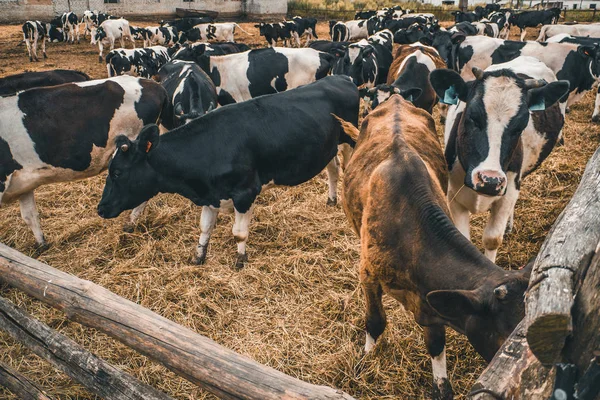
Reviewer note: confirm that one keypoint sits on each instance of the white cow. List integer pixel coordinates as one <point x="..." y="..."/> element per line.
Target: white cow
<point x="223" y="32"/>
<point x="109" y="31"/>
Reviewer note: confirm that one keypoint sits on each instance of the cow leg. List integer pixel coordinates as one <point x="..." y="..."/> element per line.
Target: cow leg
<point x="241" y="228"/>
<point x="346" y="151"/>
<point x="44" y="47"/>
<point x="31" y="217"/>
<point x="34" y="49"/>
<point x="500" y="213"/>
<point x="208" y="220"/>
<point x="333" y="174"/>
<point x="596" y="114"/>
<point x="77" y="32"/>
<point x="296" y="38"/>
<point x="435" y="340"/>
<point x="29" y="49"/>
<point x="460" y="216"/>
<point x="443" y="109"/>
<point x="375" y="319"/>
<point x="523" y="33"/>
<point x="101" y="47"/>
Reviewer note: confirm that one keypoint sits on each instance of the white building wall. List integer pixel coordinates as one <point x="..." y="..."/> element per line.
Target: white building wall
<point x="21" y="10"/>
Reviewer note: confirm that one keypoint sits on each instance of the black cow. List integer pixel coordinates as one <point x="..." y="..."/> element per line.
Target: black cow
<point x="395" y="25"/>
<point x="327" y="46"/>
<point x="144" y="62"/>
<point x="14" y="83"/>
<point x="55" y="33"/>
<point x="531" y="19"/>
<point x="365" y="14"/>
<point x="66" y="132"/>
<point x="191" y="92"/>
<point x="227" y="157"/>
<point x="412" y="34"/>
<point x="275" y="31"/>
<point x="185" y="24"/>
<point x="200" y="53"/>
<point x="460" y="16"/>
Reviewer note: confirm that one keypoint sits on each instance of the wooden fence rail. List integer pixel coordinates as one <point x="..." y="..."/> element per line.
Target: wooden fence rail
<point x="196" y="358"/>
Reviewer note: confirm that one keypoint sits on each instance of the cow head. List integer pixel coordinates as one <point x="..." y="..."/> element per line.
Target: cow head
<point x="496" y="111"/>
<point x="410" y="35"/>
<point x="380" y="93"/>
<point x="592" y="53"/>
<point x="131" y="180"/>
<point x="359" y="63"/>
<point x="487" y="314"/>
<point x="445" y="43"/>
<point x="261" y="28"/>
<point x="99" y="35"/>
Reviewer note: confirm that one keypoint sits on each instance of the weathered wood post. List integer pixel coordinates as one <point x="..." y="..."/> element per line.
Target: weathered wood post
<point x="568" y="249"/>
<point x="19" y="385"/>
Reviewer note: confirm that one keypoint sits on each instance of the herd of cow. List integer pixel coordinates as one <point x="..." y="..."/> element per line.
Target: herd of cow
<point x="231" y="128"/>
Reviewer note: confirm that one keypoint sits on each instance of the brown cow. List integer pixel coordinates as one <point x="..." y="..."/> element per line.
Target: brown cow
<point x="395" y="197"/>
<point x="409" y="71"/>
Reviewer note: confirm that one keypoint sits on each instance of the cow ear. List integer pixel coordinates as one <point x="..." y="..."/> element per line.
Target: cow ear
<point x="148" y="138"/>
<point x="363" y="92"/>
<point x="178" y="109"/>
<point x="587" y="51"/>
<point x="454" y="304"/>
<point x="448" y="85"/>
<point x="538" y="99"/>
<point x="458" y="37"/>
<point x="426" y="40"/>
<point x="368" y="51"/>
<point x="411" y="94"/>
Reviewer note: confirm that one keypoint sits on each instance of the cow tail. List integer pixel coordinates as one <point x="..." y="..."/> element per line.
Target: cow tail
<point x="542" y="36"/>
<point x="27" y="31"/>
<point x="242" y="29"/>
<point x="349" y="132"/>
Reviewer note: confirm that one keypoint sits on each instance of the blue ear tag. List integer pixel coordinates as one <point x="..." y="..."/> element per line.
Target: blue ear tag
<point x="541" y="106"/>
<point x="450" y="96"/>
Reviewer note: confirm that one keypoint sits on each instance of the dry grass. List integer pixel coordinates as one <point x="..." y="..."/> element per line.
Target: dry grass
<point x="295" y="307"/>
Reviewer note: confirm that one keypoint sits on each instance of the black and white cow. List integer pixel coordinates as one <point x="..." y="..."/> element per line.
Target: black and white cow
<point x="348" y="31"/>
<point x="270" y="32"/>
<point x="70" y="25"/>
<point x="144" y="62"/>
<point x="487" y="28"/>
<point x="531" y="19"/>
<point x="328" y="46"/>
<point x="304" y="26"/>
<point x="580" y="65"/>
<point x="368" y="61"/>
<point x="32" y="32"/>
<point x="265" y="145"/>
<point x="501" y="19"/>
<point x="500" y="127"/>
<point x="65" y="133"/>
<point x="163" y="36"/>
<point x="242" y="76"/>
<point x="12" y="84"/>
<point x="88" y="21"/>
<point x="109" y="31"/>
<point x="548" y="31"/>
<point x="222" y="32"/>
<point x="191" y="92"/>
<point x="54" y="33"/>
<point x="467" y="28"/>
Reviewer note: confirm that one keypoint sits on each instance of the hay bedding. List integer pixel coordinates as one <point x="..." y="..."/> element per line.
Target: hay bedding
<point x="295" y="307"/>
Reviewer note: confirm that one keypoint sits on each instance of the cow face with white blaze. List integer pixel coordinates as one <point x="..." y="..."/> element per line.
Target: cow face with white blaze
<point x="359" y="62"/>
<point x="131" y="180"/>
<point x="446" y="43"/>
<point x="496" y="111"/>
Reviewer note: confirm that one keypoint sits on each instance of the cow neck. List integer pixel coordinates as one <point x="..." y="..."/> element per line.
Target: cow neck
<point x="460" y="264"/>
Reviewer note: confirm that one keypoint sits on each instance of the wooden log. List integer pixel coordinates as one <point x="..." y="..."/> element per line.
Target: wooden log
<point x="19" y="385"/>
<point x="514" y="373"/>
<point x="198" y="359"/>
<point x="584" y="344"/>
<point x="98" y="376"/>
<point x="569" y="247"/>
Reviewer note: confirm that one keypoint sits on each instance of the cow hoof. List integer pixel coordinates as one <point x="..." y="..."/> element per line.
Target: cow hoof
<point x="567" y="110"/>
<point x="442" y="390"/>
<point x="45" y="56"/>
<point x="332" y="202"/>
<point x="40" y="249"/>
<point x="561" y="141"/>
<point x="596" y="118"/>
<point x="100" y="60"/>
<point x="128" y="227"/>
<point x="442" y="120"/>
<point x="200" y="260"/>
<point x="241" y="260"/>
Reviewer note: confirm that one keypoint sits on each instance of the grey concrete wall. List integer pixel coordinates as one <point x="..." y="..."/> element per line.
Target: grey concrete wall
<point x="18" y="11"/>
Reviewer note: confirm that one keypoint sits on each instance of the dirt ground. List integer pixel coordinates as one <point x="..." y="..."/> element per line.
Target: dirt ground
<point x="296" y="306"/>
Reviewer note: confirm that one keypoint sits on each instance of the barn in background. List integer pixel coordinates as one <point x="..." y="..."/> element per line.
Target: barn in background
<point x="13" y="11"/>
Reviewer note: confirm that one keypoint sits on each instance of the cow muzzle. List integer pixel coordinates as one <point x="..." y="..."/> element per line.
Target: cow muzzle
<point x="489" y="182"/>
